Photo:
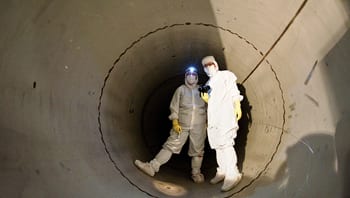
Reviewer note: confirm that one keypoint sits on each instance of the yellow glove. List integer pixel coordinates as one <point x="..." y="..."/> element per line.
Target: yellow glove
<point x="176" y="126"/>
<point x="238" y="110"/>
<point x="205" y="96"/>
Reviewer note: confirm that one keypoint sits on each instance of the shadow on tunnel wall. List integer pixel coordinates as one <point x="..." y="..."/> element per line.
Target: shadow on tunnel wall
<point x="244" y="125"/>
<point x="307" y="172"/>
<point x="342" y="136"/>
<point x="309" y="168"/>
<point x="336" y="71"/>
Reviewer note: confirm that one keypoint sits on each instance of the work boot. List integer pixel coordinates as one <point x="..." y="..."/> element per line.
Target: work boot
<point x="198" y="178"/>
<point x="196" y="164"/>
<point x="230" y="183"/>
<point x="145" y="167"/>
<point x="218" y="178"/>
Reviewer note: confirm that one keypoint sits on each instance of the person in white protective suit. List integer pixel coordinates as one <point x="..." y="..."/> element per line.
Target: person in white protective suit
<point x="188" y="115"/>
<point x="224" y="111"/>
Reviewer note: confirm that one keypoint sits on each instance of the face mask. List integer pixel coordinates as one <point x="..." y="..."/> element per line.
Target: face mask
<point x="191" y="79"/>
<point x="210" y="71"/>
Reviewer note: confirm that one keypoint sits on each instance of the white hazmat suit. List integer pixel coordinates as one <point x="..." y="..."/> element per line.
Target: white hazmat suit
<point x="222" y="121"/>
<point x="189" y="109"/>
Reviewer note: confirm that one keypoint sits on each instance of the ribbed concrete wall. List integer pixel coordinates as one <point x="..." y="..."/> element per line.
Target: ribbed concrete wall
<point x="85" y="88"/>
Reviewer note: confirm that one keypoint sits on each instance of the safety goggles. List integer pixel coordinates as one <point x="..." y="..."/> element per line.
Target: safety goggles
<point x="208" y="64"/>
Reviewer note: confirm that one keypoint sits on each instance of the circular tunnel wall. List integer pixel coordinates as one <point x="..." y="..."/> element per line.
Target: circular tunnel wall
<point x="136" y="83"/>
<point x="78" y="78"/>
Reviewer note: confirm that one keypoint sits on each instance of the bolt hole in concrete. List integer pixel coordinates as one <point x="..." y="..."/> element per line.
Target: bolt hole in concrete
<point x="144" y="78"/>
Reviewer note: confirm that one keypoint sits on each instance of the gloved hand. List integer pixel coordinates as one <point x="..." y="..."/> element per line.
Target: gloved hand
<point x="205" y="96"/>
<point x="238" y="110"/>
<point x="176" y="126"/>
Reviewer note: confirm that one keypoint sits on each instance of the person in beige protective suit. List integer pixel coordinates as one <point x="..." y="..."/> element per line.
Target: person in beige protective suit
<point x="224" y="111"/>
<point x="188" y="115"/>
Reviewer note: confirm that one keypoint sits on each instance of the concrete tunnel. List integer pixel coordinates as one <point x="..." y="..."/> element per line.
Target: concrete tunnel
<point x="85" y="89"/>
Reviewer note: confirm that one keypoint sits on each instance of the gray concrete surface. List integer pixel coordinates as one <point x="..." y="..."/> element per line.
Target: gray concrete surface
<point x="85" y="88"/>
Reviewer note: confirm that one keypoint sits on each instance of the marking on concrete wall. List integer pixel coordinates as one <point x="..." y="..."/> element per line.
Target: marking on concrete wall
<point x="292" y="106"/>
<point x="42" y="10"/>
<point x="313" y="100"/>
<point x="277" y="40"/>
<point x="310" y="73"/>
